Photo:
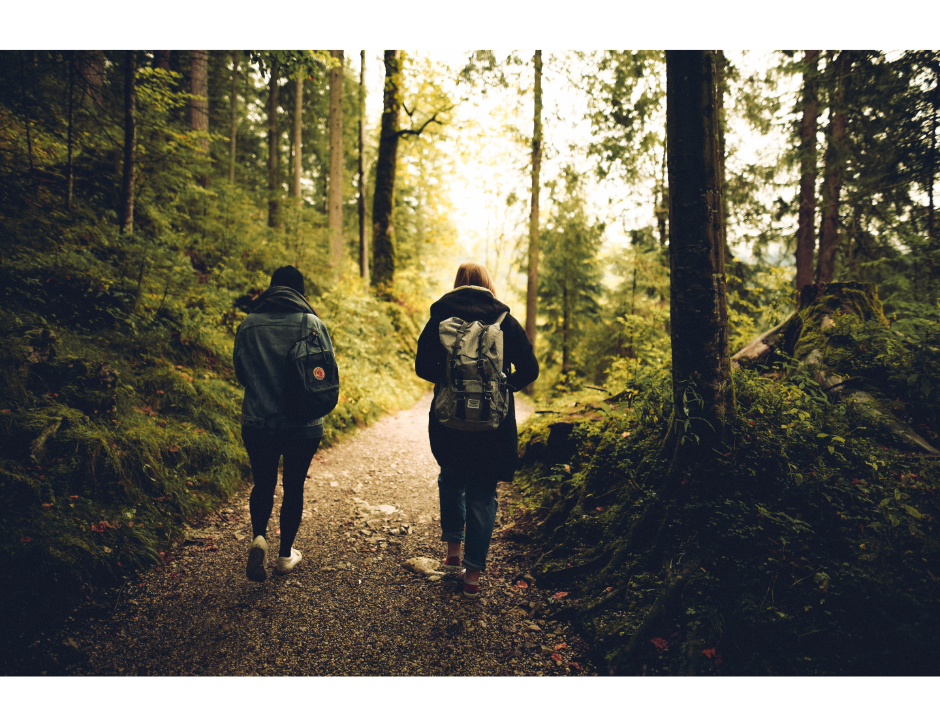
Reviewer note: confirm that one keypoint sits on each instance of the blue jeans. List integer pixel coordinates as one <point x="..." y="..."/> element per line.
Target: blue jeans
<point x="468" y="500"/>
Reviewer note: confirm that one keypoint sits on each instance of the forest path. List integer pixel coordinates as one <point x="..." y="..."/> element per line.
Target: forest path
<point x="350" y="607"/>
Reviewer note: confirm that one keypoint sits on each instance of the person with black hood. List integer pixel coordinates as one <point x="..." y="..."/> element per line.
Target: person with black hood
<point x="473" y="462"/>
<point x="262" y="343"/>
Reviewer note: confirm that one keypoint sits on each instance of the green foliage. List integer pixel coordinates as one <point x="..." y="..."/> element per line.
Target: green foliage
<point x="569" y="276"/>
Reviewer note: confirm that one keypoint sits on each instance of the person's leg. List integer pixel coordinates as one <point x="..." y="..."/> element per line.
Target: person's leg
<point x="297" y="457"/>
<point x="450" y="487"/>
<point x="264" y="456"/>
<point x="481" y="516"/>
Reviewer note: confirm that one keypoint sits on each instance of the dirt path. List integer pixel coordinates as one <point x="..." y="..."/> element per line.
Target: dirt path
<point x="350" y="608"/>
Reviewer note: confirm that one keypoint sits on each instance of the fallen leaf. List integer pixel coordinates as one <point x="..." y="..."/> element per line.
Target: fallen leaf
<point x="560" y="646"/>
<point x="211" y="548"/>
<point x="25" y="539"/>
<point x="660" y="644"/>
<point x="600" y="508"/>
<point x="609" y="589"/>
<point x="556" y="657"/>
<point x="522" y="585"/>
<point x="174" y="449"/>
<point x="575" y="665"/>
<point x="46" y="506"/>
<point x="74" y="498"/>
<point x="559" y="595"/>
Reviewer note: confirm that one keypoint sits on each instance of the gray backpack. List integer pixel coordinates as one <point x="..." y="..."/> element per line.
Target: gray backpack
<point x="474" y="395"/>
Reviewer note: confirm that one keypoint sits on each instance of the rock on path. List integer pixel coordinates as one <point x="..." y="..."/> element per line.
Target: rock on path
<point x="350" y="607"/>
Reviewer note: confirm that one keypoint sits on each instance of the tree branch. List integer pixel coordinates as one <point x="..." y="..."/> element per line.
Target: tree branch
<point x="412" y="132"/>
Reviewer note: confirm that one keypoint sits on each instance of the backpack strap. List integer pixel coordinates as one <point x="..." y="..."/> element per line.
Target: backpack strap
<point x="455" y="376"/>
<point x="499" y="320"/>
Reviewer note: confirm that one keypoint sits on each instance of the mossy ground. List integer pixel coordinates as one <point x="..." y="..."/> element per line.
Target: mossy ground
<point x="809" y="546"/>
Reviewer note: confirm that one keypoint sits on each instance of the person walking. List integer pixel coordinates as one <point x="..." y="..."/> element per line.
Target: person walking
<point x="473" y="462"/>
<point x="262" y="343"/>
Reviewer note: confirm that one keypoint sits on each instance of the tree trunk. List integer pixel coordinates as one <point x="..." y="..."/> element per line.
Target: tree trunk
<point x="835" y="164"/>
<point x="662" y="204"/>
<point x="700" y="365"/>
<point x="91" y="71"/>
<point x="274" y="151"/>
<point x="336" y="162"/>
<point x="199" y="86"/>
<point x="564" y="330"/>
<point x="806" y="229"/>
<point x="298" y="132"/>
<point x="532" y="283"/>
<point x="161" y="59"/>
<point x="70" y="171"/>
<point x="384" y="253"/>
<point x="233" y="118"/>
<point x="363" y="248"/>
<point x="130" y="142"/>
<point x="931" y="229"/>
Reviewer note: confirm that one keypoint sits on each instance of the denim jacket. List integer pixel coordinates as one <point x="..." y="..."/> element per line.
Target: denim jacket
<point x="262" y="342"/>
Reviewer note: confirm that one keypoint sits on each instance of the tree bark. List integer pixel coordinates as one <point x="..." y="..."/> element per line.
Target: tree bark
<point x="274" y="151"/>
<point x="335" y="218"/>
<point x="298" y="132"/>
<point x="532" y="283"/>
<point x="91" y="71"/>
<point x="233" y="118"/>
<point x="931" y="228"/>
<point x="363" y="247"/>
<point x="130" y="142"/>
<point x="199" y="86"/>
<point x="806" y="229"/>
<point x="700" y="364"/>
<point x="384" y="252"/>
<point x="161" y="59"/>
<point x="835" y="164"/>
<point x="70" y="171"/>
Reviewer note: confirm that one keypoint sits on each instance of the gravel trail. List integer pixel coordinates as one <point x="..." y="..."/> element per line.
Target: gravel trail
<point x="350" y="607"/>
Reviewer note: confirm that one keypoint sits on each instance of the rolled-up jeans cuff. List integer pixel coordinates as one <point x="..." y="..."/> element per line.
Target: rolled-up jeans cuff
<point x="452" y="538"/>
<point x="473" y="565"/>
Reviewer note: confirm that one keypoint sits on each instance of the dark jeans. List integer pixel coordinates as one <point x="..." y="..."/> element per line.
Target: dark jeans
<point x="265" y="454"/>
<point x="468" y="501"/>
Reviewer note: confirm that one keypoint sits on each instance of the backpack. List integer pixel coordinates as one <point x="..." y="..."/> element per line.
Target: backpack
<point x="311" y="377"/>
<point x="474" y="394"/>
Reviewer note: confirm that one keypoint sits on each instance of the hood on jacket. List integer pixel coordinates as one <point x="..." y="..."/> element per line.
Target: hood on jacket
<point x="469" y="303"/>
<point x="282" y="299"/>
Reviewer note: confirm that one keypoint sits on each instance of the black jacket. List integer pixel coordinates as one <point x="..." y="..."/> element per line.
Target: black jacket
<point x="493" y="453"/>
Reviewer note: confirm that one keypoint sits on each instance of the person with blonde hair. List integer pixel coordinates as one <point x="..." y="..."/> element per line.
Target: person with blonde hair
<point x="473" y="461"/>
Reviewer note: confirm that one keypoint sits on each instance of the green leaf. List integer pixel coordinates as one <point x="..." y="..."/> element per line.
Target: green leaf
<point x="912" y="511"/>
<point x="831" y="449"/>
<point x="822" y="435"/>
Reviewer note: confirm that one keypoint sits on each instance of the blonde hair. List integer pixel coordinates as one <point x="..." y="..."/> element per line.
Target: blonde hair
<point x="471" y="273"/>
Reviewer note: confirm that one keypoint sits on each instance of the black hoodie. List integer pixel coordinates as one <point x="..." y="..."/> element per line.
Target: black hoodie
<point x="492" y="453"/>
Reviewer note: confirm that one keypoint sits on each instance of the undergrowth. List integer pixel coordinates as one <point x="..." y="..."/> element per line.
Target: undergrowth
<point x="809" y="546"/>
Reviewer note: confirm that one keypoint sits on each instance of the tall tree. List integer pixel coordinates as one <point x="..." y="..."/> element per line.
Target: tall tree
<point x="336" y="161"/>
<point x="130" y="142"/>
<point x="91" y="71"/>
<point x="298" y="131"/>
<point x="363" y="248"/>
<point x="570" y="281"/>
<point x="199" y="87"/>
<point x="161" y="59"/>
<point x="834" y="167"/>
<point x="701" y="371"/>
<point x="274" y="145"/>
<point x="532" y="283"/>
<point x="233" y="117"/>
<point x="70" y="171"/>
<point x="806" y="229"/>
<point x="384" y="254"/>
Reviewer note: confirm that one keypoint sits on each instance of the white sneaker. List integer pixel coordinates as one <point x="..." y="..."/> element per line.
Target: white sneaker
<point x="256" y="556"/>
<point x="286" y="563"/>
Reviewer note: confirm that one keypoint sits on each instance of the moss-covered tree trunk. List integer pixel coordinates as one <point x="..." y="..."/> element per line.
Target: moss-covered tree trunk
<point x="130" y="142"/>
<point x="806" y="226"/>
<point x="532" y="282"/>
<point x="700" y="366"/>
<point x="274" y="150"/>
<point x="233" y="118"/>
<point x="384" y="253"/>
<point x="363" y="249"/>
<point x="835" y="166"/>
<point x="336" y="161"/>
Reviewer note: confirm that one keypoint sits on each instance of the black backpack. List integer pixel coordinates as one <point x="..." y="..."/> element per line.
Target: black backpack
<point x="311" y="377"/>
